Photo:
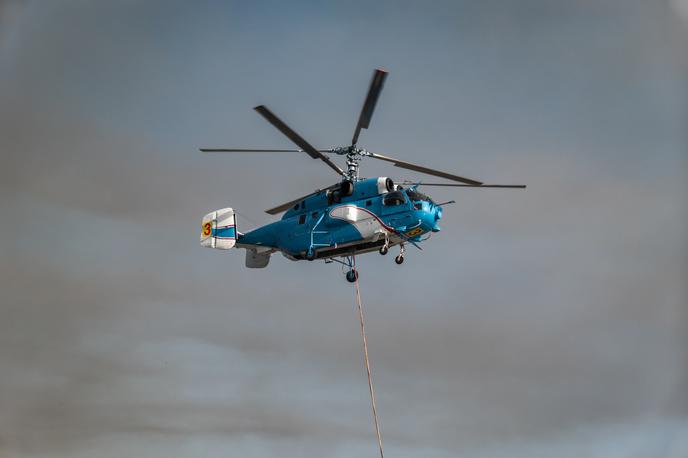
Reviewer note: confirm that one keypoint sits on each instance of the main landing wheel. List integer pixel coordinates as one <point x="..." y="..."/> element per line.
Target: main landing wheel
<point x="384" y="249"/>
<point x="399" y="259"/>
<point x="310" y="255"/>
<point x="352" y="276"/>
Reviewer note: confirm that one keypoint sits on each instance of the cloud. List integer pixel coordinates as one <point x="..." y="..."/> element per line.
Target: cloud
<point x="550" y="322"/>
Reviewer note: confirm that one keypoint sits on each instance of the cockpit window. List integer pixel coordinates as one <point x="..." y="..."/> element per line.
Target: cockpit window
<point x="416" y="195"/>
<point x="393" y="198"/>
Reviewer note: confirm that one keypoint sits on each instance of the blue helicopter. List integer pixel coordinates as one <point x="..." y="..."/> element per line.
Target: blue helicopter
<point x="348" y="218"/>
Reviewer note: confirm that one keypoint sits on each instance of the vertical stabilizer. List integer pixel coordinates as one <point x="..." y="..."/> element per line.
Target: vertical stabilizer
<point x="218" y="229"/>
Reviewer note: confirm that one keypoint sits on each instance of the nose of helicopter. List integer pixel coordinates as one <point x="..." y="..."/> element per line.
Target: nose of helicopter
<point x="437" y="214"/>
<point x="429" y="215"/>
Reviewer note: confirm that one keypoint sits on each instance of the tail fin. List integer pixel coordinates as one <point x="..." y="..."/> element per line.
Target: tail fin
<point x="218" y="229"/>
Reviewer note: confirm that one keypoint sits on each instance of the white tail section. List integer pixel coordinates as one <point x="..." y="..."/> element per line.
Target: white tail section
<point x="218" y="229"/>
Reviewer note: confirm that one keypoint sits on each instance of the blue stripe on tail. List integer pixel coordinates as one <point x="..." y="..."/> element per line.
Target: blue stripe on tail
<point x="228" y="232"/>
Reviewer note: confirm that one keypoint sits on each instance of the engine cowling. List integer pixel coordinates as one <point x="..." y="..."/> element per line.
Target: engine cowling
<point x="389" y="184"/>
<point x="346" y="188"/>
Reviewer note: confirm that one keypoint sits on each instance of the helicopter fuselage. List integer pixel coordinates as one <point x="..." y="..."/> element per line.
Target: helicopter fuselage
<point x="339" y="222"/>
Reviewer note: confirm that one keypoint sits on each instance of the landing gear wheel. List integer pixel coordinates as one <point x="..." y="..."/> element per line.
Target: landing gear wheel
<point x="352" y="276"/>
<point x="384" y="249"/>
<point x="402" y="250"/>
<point x="310" y="255"/>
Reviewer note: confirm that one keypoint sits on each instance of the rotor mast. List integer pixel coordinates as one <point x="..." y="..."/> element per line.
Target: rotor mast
<point x="353" y="159"/>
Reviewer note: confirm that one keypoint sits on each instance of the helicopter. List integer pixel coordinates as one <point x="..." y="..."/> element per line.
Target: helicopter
<point x="354" y="216"/>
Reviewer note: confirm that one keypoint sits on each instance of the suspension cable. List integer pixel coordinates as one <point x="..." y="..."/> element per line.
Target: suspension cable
<point x="367" y="362"/>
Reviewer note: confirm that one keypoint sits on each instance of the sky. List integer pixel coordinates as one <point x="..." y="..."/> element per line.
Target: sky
<point x="550" y="322"/>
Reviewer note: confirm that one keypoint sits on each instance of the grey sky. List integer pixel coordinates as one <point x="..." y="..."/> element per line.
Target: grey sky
<point x="550" y="322"/>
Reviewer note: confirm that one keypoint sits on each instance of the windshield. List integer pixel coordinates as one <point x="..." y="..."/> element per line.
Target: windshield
<point x="416" y="195"/>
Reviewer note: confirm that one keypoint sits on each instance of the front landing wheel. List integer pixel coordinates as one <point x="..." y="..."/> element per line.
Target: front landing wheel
<point x="352" y="276"/>
<point x="384" y="249"/>
<point x="399" y="259"/>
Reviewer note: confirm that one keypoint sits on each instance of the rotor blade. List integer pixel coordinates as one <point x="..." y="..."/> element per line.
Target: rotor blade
<point x="247" y="150"/>
<point x="419" y="168"/>
<point x="287" y="205"/>
<point x="512" y="186"/>
<point x="252" y="150"/>
<point x="369" y="105"/>
<point x="296" y="138"/>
